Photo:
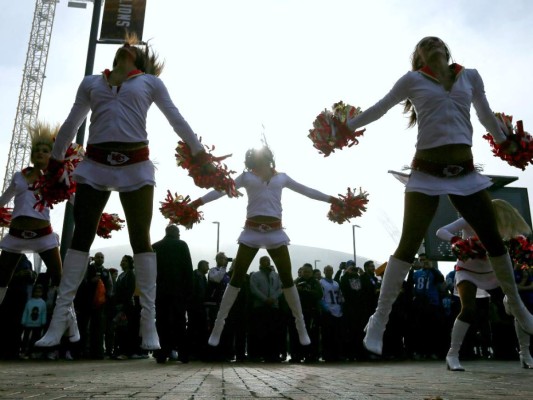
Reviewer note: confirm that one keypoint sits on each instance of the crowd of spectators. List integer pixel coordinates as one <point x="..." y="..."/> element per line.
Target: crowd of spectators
<point x="336" y="305"/>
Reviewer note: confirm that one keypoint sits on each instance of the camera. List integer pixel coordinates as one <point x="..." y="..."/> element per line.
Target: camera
<point x="230" y="259"/>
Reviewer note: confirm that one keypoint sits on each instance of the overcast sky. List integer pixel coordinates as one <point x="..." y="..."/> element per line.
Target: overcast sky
<point x="235" y="66"/>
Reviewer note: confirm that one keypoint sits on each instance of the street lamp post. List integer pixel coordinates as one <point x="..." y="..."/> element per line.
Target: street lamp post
<point x="316" y="262"/>
<point x="353" y="235"/>
<point x="218" y="234"/>
<point x="68" y="220"/>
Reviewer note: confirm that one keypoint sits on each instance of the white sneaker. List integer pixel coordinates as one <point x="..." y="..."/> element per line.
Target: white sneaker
<point x="68" y="356"/>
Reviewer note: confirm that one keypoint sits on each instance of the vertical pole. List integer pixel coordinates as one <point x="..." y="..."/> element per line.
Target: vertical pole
<point x="354" y="252"/>
<point x="68" y="221"/>
<point x="218" y="234"/>
<point x="353" y="237"/>
<point x="218" y="237"/>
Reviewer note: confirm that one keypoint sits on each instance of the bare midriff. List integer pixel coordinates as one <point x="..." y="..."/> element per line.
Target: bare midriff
<point x="117" y="146"/>
<point x="28" y="223"/>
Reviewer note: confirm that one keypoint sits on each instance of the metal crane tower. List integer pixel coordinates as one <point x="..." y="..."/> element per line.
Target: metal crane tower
<point x="31" y="88"/>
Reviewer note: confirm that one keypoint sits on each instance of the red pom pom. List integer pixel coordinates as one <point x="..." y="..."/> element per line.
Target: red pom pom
<point x="5" y="216"/>
<point x="521" y="251"/>
<point x="330" y="131"/>
<point x="206" y="170"/>
<point x="56" y="184"/>
<point x="178" y="210"/>
<point x="107" y="224"/>
<point x="349" y="206"/>
<point x="517" y="150"/>
<point x="470" y="248"/>
<point x="455" y="239"/>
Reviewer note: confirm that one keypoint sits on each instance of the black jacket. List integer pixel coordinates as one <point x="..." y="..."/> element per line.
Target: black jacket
<point x="174" y="269"/>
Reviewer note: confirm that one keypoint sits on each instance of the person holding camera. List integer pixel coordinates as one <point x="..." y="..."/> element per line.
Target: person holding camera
<point x="340" y="272"/>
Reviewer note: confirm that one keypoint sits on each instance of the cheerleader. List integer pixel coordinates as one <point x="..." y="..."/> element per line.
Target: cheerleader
<point x="30" y="230"/>
<point x="478" y="273"/>
<point x="117" y="159"/>
<point x="263" y="229"/>
<point x="438" y="95"/>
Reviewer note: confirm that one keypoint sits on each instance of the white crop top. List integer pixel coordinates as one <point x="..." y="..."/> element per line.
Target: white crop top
<point x="120" y="115"/>
<point x="24" y="199"/>
<point x="264" y="198"/>
<point x="443" y="117"/>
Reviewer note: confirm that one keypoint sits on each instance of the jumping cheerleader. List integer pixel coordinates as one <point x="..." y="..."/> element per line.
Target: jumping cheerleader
<point x="477" y="273"/>
<point x="263" y="229"/>
<point x="30" y="230"/>
<point x="117" y="158"/>
<point x="439" y="96"/>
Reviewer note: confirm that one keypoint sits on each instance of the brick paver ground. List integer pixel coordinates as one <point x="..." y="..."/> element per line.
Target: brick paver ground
<point x="147" y="380"/>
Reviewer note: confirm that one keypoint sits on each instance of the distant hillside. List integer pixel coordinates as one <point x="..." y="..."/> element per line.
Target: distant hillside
<point x="299" y="256"/>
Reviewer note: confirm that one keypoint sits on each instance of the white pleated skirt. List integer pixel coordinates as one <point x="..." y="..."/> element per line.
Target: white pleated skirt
<point x="125" y="178"/>
<point x="479" y="272"/>
<point x="263" y="240"/>
<point x="434" y="186"/>
<point x="17" y="245"/>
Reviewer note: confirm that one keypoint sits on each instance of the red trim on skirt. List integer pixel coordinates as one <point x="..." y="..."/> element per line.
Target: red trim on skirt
<point x="30" y="233"/>
<point x="443" y="170"/>
<point x="117" y="158"/>
<point x="263" y="226"/>
<point x="458" y="268"/>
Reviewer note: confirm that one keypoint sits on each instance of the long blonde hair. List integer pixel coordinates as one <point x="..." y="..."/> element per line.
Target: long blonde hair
<point x="510" y="222"/>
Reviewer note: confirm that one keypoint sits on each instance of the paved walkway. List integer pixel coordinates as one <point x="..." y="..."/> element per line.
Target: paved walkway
<point x="145" y="379"/>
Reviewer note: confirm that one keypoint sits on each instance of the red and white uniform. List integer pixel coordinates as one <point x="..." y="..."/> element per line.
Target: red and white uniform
<point x="118" y="114"/>
<point x="478" y="271"/>
<point x="443" y="118"/>
<point x="264" y="199"/>
<point x="24" y="200"/>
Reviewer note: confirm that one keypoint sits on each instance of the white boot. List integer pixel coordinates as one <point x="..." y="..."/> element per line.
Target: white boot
<point x="228" y="298"/>
<point x="146" y="276"/>
<point x="458" y="334"/>
<point x="293" y="300"/>
<point x="63" y="318"/>
<point x="523" y="342"/>
<point x="3" y="291"/>
<point x="391" y="285"/>
<point x="73" y="332"/>
<point x="503" y="268"/>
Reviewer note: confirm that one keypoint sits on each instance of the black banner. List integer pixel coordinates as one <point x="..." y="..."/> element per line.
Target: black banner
<point x="121" y="16"/>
